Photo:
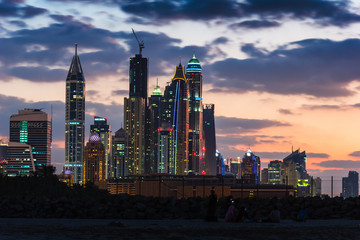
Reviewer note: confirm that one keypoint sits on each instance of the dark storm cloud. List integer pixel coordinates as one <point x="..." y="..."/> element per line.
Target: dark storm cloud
<point x="10" y="8"/>
<point x="255" y="24"/>
<point x="239" y="125"/>
<point x="355" y="154"/>
<point x="342" y="164"/>
<point x="317" y="67"/>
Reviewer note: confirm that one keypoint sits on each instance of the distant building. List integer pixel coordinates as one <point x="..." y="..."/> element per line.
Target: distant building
<point x="75" y="119"/>
<point x="166" y="151"/>
<point x="316" y="187"/>
<point x="94" y="163"/>
<point x="289" y="174"/>
<point x="18" y="159"/>
<point x="101" y="128"/>
<point x="119" y="152"/>
<point x="350" y="185"/>
<point x="209" y="137"/>
<point x="264" y="176"/>
<point x="220" y="165"/>
<point x="235" y="167"/>
<point x="250" y="168"/>
<point x="274" y="172"/>
<point x="303" y="188"/>
<point x="33" y="127"/>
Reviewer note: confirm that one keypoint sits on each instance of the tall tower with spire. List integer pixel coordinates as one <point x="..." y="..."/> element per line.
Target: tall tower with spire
<point x="75" y="119"/>
<point x="175" y="114"/>
<point x="194" y="76"/>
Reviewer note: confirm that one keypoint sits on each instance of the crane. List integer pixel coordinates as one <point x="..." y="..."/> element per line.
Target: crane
<point x="141" y="44"/>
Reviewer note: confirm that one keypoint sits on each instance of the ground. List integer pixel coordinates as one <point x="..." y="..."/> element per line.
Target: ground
<point x="178" y="229"/>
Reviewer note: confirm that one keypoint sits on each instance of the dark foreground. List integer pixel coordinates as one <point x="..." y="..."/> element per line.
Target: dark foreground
<point x="17" y="228"/>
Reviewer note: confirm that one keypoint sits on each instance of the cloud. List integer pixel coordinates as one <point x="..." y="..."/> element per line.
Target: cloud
<point x="240" y="125"/>
<point x="163" y="11"/>
<point x="120" y="92"/>
<point x="38" y="74"/>
<point x="252" y="51"/>
<point x="220" y="40"/>
<point x="316" y="67"/>
<point x="355" y="154"/>
<point x="317" y="155"/>
<point x="285" y="111"/>
<point x="341" y="164"/>
<point x="255" y="24"/>
<point x="9" y="8"/>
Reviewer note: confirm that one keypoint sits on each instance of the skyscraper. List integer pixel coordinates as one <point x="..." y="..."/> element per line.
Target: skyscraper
<point x="94" y="161"/>
<point x="33" y="127"/>
<point x="19" y="159"/>
<point x="208" y="164"/>
<point x="250" y="168"/>
<point x="101" y="128"/>
<point x="175" y="114"/>
<point x="274" y="172"/>
<point x="155" y="120"/>
<point x="299" y="158"/>
<point x="194" y="77"/>
<point x="75" y="119"/>
<point x="119" y="153"/>
<point x="350" y="185"/>
<point x="138" y="75"/>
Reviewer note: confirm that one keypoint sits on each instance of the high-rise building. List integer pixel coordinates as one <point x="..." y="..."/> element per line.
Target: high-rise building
<point x="94" y="161"/>
<point x="119" y="152"/>
<point x="289" y="173"/>
<point x="135" y="118"/>
<point x="175" y="113"/>
<point x="194" y="78"/>
<point x="101" y="128"/>
<point x="264" y="176"/>
<point x="75" y="119"/>
<point x="18" y="158"/>
<point x="250" y="168"/>
<point x="33" y="127"/>
<point x="220" y="165"/>
<point x="316" y="187"/>
<point x="299" y="158"/>
<point x="350" y="185"/>
<point x="208" y="164"/>
<point x="138" y="74"/>
<point x="155" y="102"/>
<point x="274" y="172"/>
<point x="166" y="154"/>
<point x="235" y="167"/>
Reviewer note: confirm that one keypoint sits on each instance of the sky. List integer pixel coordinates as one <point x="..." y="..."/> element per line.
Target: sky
<point x="282" y="74"/>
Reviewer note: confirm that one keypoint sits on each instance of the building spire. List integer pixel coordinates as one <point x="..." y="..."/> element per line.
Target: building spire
<point x="75" y="49"/>
<point x="179" y="60"/>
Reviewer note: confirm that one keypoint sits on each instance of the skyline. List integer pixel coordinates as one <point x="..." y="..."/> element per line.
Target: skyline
<point x="312" y="68"/>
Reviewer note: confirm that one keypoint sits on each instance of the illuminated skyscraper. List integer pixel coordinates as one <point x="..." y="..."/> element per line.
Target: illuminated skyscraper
<point x="274" y="172"/>
<point x="175" y="113"/>
<point x="194" y="77"/>
<point x="299" y="158"/>
<point x="250" y="168"/>
<point x="153" y="131"/>
<point x="119" y="153"/>
<point x="75" y="119"/>
<point x="208" y="164"/>
<point x="33" y="127"/>
<point x="94" y="162"/>
<point x="18" y="159"/>
<point x="101" y="128"/>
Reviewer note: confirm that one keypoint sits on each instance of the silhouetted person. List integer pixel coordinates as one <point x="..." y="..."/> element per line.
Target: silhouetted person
<point x="211" y="214"/>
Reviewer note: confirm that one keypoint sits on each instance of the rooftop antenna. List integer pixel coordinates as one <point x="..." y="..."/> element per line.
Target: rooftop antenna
<point x="75" y="49"/>
<point x="141" y="44"/>
<point x="157" y="81"/>
<point x="179" y="60"/>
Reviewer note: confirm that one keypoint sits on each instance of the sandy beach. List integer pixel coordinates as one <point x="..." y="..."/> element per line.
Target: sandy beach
<point x="18" y="228"/>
